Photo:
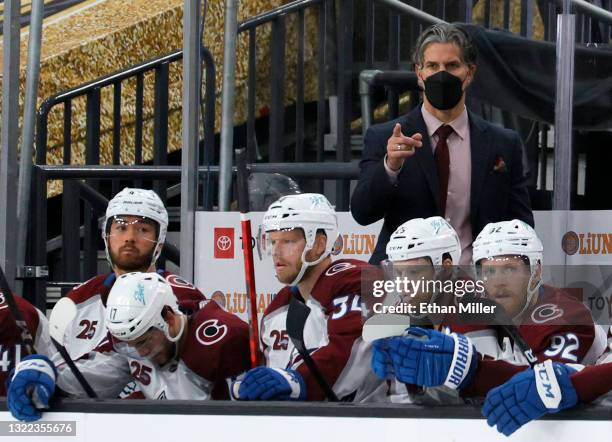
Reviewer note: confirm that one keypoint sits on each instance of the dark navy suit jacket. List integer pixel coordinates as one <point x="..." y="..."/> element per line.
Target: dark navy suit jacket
<point x="497" y="193"/>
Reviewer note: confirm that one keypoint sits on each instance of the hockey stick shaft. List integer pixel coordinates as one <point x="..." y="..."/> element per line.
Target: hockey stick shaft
<point x="504" y="321"/>
<point x="247" y="250"/>
<point x="74" y="369"/>
<point x="249" y="270"/>
<point x="297" y="314"/>
<point x="26" y="336"/>
<point x="312" y="366"/>
<point x="515" y="334"/>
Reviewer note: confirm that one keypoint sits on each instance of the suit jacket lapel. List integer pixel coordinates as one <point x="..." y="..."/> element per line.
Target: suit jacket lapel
<point x="423" y="156"/>
<point x="480" y="152"/>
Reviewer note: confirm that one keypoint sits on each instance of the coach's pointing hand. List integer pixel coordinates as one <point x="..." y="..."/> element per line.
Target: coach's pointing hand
<point x="400" y="147"/>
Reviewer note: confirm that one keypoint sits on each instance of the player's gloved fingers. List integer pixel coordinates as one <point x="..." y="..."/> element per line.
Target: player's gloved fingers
<point x="504" y="420"/>
<point x="418" y="332"/>
<point x="495" y="415"/>
<point x="262" y="387"/>
<point x="487" y="407"/>
<point x="254" y="394"/>
<point x="380" y="369"/>
<point x="274" y="393"/>
<point x="492" y="401"/>
<point x="402" y="346"/>
<point x="406" y="375"/>
<point x="41" y="395"/>
<point x="509" y="429"/>
<point x="249" y="388"/>
<point x="381" y="344"/>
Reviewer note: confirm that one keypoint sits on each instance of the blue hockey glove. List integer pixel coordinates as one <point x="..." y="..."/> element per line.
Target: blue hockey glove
<point x="429" y="358"/>
<point x="272" y="384"/>
<point x="547" y="388"/>
<point x="382" y="365"/>
<point x="30" y="386"/>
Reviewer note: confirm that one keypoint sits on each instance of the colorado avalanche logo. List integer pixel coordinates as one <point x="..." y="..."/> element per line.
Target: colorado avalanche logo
<point x="545" y="313"/>
<point x="139" y="293"/>
<point x="179" y="282"/>
<point x="210" y="332"/>
<point x="337" y="268"/>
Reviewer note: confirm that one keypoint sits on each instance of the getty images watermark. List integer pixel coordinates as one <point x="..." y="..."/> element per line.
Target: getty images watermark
<point x="401" y="295"/>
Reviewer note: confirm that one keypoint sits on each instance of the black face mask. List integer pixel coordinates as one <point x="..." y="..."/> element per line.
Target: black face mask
<point x="443" y="90"/>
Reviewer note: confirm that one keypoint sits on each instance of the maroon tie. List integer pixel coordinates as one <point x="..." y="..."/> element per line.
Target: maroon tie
<point x="442" y="158"/>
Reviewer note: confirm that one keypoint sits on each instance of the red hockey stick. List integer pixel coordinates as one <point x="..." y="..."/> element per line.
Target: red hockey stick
<point x="247" y="250"/>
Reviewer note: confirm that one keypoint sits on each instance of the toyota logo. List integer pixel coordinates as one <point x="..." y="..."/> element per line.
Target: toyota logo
<point x="224" y="243"/>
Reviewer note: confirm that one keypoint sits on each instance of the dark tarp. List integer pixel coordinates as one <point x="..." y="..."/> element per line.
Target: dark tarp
<point x="517" y="74"/>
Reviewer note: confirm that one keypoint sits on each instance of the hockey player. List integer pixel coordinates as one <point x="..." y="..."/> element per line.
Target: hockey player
<point x="134" y="233"/>
<point x="299" y="232"/>
<point x="169" y="355"/>
<point x="424" y="251"/>
<point x="11" y="348"/>
<point x="554" y="325"/>
<point x="525" y="397"/>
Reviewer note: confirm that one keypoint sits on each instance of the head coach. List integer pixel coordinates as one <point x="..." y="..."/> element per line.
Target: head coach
<point x="441" y="159"/>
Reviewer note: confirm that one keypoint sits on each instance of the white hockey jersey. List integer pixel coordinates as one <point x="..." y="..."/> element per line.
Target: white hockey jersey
<point x="215" y="348"/>
<point x="88" y="329"/>
<point x="332" y="334"/>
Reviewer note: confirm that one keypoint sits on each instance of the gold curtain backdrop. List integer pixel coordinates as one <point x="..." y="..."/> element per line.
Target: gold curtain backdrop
<point x="97" y="38"/>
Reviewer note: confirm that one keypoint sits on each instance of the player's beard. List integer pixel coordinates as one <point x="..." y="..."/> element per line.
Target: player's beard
<point x="139" y="263"/>
<point x="289" y="273"/>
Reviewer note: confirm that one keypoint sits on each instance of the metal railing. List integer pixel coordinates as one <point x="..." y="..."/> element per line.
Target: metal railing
<point x="73" y="177"/>
<point x="277" y="130"/>
<point x="92" y="91"/>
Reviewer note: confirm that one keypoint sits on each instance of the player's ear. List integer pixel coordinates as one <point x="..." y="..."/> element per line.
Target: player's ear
<point x="537" y="276"/>
<point x="167" y="313"/>
<point x="320" y="243"/>
<point x="447" y="262"/>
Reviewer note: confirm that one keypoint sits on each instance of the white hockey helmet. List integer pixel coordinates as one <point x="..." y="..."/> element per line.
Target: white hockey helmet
<point x="310" y="212"/>
<point x="424" y="238"/>
<point x="515" y="238"/>
<point x="135" y="304"/>
<point x="137" y="202"/>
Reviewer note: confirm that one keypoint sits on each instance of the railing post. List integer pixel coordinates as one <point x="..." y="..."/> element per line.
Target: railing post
<point x="160" y="126"/>
<point x="71" y="239"/>
<point x="39" y="297"/>
<point x="563" y="178"/>
<point x="527" y="18"/>
<point x="345" y="70"/>
<point x="92" y="156"/>
<point x="277" y="89"/>
<point x="138" y="123"/>
<point x="190" y="137"/>
<point x="10" y="138"/>
<point x="29" y="123"/>
<point x="209" y="127"/>
<point x="227" y="104"/>
<point x="116" y="131"/>
<point x="321" y="76"/>
<point x="394" y="58"/>
<point x="251" y="80"/>
<point x="299" y="101"/>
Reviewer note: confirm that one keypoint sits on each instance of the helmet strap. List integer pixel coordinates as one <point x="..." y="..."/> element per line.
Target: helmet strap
<point x="180" y="332"/>
<point x="306" y="264"/>
<point x="530" y="294"/>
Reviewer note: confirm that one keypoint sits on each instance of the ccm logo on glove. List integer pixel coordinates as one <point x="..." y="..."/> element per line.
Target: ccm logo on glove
<point x="547" y="385"/>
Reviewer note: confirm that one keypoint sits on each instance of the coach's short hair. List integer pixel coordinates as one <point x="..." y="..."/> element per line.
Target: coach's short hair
<point x="445" y="33"/>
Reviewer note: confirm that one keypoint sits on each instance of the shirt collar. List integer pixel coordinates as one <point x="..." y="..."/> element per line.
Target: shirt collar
<point x="460" y="124"/>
